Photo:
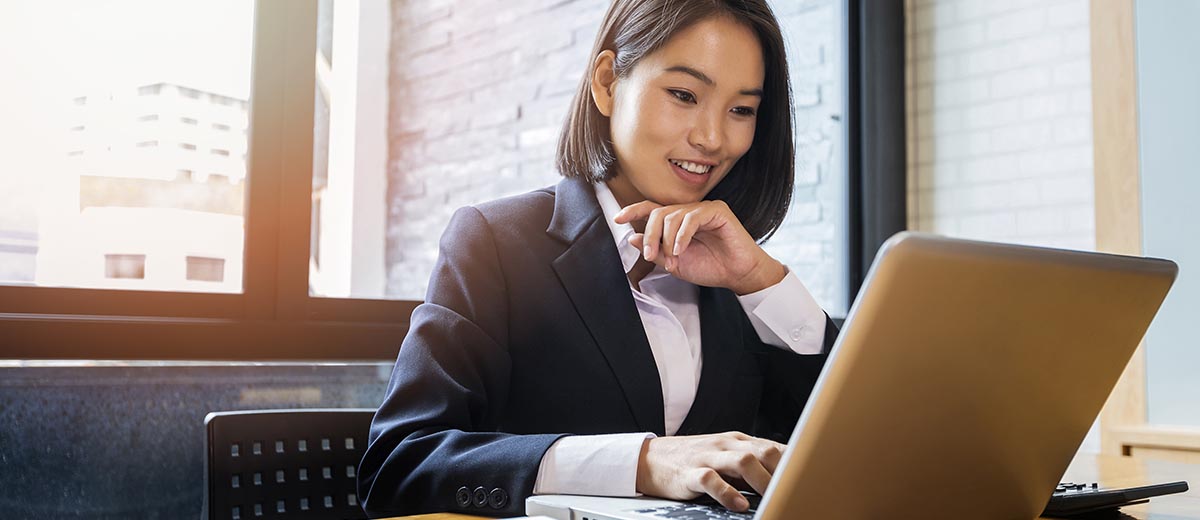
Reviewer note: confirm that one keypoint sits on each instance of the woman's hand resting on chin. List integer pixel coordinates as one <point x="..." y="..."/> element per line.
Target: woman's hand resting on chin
<point x="702" y="243"/>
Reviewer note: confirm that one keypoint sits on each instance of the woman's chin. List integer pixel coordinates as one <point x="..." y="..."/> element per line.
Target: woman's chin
<point x="671" y="200"/>
<point x="672" y="197"/>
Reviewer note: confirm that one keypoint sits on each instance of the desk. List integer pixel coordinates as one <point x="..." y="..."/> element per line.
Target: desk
<point x="1109" y="471"/>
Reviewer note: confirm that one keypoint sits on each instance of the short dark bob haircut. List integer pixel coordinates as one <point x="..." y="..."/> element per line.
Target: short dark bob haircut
<point x="759" y="187"/>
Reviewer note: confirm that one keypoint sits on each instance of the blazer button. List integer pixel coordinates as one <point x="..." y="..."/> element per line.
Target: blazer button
<point x="498" y="499"/>
<point x="480" y="497"/>
<point x="463" y="497"/>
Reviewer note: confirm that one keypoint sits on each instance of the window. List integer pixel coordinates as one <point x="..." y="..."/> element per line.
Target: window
<point x="125" y="266"/>
<point x="1145" y="193"/>
<point x="147" y="118"/>
<point x="205" y="269"/>
<point x="347" y="253"/>
<point x="188" y="121"/>
<point x="245" y="280"/>
<point x="147" y="144"/>
<point x="218" y="151"/>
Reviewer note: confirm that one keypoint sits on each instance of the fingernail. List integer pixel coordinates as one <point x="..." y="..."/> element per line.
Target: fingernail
<point x="675" y="250"/>
<point x="646" y="252"/>
<point x="742" y="503"/>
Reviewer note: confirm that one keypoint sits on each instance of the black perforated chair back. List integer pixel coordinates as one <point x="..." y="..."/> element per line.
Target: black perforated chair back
<point x="284" y="463"/>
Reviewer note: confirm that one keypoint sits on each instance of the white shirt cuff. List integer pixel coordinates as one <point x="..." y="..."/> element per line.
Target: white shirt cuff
<point x="602" y="465"/>
<point x="787" y="316"/>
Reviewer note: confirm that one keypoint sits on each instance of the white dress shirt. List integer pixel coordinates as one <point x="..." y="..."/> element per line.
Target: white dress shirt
<point x="784" y="315"/>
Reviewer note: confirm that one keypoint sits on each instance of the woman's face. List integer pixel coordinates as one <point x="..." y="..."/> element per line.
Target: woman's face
<point x="684" y="114"/>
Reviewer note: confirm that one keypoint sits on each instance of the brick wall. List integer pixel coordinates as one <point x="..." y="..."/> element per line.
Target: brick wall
<point x="479" y="91"/>
<point x="999" y="102"/>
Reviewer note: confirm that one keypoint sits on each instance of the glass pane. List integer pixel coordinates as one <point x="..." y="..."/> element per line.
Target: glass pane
<point x="475" y="103"/>
<point x="812" y="241"/>
<point x="124" y="143"/>
<point x="1169" y="127"/>
<point x="350" y="150"/>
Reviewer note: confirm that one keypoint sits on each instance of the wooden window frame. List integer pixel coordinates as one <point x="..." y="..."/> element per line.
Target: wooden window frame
<point x="1124" y="425"/>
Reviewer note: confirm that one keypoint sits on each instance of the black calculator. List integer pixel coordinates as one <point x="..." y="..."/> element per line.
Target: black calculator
<point x="1071" y="499"/>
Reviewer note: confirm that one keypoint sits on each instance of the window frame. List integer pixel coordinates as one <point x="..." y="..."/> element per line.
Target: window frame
<point x="275" y="318"/>
<point x="877" y="192"/>
<point x="1125" y="427"/>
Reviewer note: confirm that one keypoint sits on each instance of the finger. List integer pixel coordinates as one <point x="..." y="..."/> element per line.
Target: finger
<point x="687" y="229"/>
<point x="709" y="482"/>
<point x="638" y="211"/>
<point x="739" y="436"/>
<point x="738" y="484"/>
<point x="653" y="234"/>
<point x="635" y="240"/>
<point x="671" y="223"/>
<point x="638" y="240"/>
<point x="771" y="454"/>
<point x="746" y="466"/>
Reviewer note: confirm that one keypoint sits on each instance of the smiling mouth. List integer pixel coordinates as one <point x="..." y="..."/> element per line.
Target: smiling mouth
<point x="691" y="167"/>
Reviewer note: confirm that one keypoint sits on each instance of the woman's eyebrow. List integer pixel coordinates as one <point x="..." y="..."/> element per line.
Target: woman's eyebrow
<point x="708" y="81"/>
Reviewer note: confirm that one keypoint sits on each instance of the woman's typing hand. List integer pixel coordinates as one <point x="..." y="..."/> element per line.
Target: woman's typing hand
<point x="703" y="243"/>
<point x="683" y="468"/>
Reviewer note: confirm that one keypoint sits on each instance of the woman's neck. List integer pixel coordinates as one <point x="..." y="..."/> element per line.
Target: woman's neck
<point x="626" y="195"/>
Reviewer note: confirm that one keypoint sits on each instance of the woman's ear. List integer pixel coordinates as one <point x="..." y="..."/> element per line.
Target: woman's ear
<point x="604" y="81"/>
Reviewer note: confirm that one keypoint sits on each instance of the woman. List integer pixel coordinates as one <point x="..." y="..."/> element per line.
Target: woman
<point x="621" y="332"/>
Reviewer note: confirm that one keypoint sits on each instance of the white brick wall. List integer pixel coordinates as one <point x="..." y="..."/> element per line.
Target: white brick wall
<point x="479" y="91"/>
<point x="999" y="110"/>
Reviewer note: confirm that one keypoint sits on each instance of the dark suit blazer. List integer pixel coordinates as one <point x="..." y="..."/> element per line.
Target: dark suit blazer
<point x="529" y="332"/>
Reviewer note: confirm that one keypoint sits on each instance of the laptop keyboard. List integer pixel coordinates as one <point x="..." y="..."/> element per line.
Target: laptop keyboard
<point x="703" y="509"/>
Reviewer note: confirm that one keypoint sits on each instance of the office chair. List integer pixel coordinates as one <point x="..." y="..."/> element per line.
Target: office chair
<point x="284" y="463"/>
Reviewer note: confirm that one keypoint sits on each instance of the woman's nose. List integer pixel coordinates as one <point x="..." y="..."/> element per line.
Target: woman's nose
<point x="707" y="133"/>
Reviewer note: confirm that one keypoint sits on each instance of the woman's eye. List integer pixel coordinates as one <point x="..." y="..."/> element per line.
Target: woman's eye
<point x="683" y="95"/>
<point x="743" y="111"/>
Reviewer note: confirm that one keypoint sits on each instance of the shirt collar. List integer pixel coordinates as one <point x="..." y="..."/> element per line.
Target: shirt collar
<point x="620" y="232"/>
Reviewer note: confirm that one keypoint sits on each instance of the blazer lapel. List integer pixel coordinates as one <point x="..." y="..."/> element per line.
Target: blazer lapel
<point x="591" y="272"/>
<point x="720" y="343"/>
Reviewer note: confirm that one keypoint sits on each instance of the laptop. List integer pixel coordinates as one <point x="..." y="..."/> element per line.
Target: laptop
<point x="964" y="380"/>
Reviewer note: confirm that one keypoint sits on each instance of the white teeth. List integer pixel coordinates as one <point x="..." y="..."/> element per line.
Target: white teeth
<point x="692" y="167"/>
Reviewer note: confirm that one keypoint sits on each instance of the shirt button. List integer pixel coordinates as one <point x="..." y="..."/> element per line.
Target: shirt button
<point x="797" y="332"/>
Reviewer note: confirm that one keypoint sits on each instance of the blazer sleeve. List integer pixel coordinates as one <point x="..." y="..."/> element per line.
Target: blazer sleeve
<point x="788" y="383"/>
<point x="433" y="444"/>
